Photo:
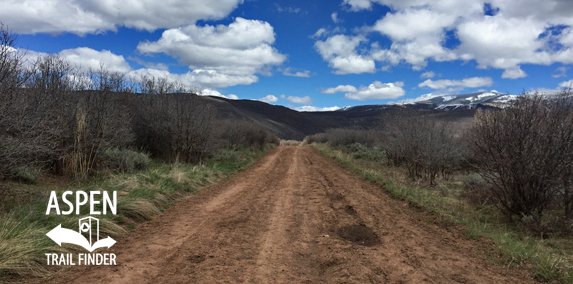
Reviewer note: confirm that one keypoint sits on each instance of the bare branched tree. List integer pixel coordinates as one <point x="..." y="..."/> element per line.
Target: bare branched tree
<point x="526" y="152"/>
<point x="162" y="85"/>
<point x="13" y="106"/>
<point x="11" y="63"/>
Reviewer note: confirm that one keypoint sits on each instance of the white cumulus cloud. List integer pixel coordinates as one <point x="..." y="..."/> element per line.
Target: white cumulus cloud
<point x="87" y="58"/>
<point x="269" y="99"/>
<point x="232" y="63"/>
<point x="566" y="84"/>
<point x="300" y="100"/>
<point x="340" y="89"/>
<point x="357" y="5"/>
<point x="96" y="16"/>
<point x="214" y="93"/>
<point x="513" y="73"/>
<point x="503" y="43"/>
<point x="353" y="64"/>
<point x="417" y="35"/>
<point x="562" y="72"/>
<point x="289" y="72"/>
<point x="428" y="75"/>
<point x="375" y="91"/>
<point x="340" y="52"/>
<point x="334" y="17"/>
<point x="150" y="65"/>
<point x="84" y="59"/>
<point x="407" y="24"/>
<point x="196" y="78"/>
<point x="420" y="98"/>
<point x="518" y="32"/>
<point x="221" y="55"/>
<point x="324" y="32"/>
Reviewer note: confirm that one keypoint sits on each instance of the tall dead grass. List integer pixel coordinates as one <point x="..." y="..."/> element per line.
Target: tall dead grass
<point x="22" y="247"/>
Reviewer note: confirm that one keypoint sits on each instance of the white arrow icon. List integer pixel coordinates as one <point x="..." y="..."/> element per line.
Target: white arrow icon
<point x="62" y="235"/>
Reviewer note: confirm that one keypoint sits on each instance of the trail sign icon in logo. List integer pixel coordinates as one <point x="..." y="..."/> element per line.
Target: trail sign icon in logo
<point x="83" y="237"/>
<point x="86" y="227"/>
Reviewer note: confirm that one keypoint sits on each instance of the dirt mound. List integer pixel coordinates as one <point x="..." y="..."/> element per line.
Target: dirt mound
<point x="358" y="234"/>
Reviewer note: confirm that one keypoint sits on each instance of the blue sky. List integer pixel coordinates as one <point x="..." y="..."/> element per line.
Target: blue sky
<point x="311" y="55"/>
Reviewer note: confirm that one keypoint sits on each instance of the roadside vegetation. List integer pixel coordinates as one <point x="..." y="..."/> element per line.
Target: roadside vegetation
<point x="507" y="177"/>
<point x="151" y="140"/>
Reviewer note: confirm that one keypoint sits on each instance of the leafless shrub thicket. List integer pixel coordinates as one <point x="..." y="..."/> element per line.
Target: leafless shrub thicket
<point x="316" y="138"/>
<point x="55" y="117"/>
<point x="244" y="134"/>
<point x="69" y="118"/>
<point x="11" y="78"/>
<point x="337" y="137"/>
<point x="176" y="127"/>
<point x="526" y="153"/>
<point x="157" y="86"/>
<point x="30" y="131"/>
<point x="344" y="137"/>
<point x="424" y="145"/>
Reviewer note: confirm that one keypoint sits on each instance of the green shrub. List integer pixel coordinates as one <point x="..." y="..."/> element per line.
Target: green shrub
<point x="123" y="160"/>
<point x="476" y="190"/>
<point x="25" y="174"/>
<point x="361" y="151"/>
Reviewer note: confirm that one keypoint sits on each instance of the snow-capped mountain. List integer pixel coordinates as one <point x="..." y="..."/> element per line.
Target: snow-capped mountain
<point x="468" y="101"/>
<point x="491" y="99"/>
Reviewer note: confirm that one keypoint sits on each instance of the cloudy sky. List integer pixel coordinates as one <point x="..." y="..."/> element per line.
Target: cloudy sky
<point x="311" y="55"/>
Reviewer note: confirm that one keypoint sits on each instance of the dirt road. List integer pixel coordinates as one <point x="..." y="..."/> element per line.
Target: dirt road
<point x="294" y="217"/>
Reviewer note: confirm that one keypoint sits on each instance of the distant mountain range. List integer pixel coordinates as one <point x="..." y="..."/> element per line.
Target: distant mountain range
<point x="291" y="124"/>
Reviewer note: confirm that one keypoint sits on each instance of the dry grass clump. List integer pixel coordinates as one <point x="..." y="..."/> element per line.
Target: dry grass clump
<point x="290" y="143"/>
<point x="22" y="246"/>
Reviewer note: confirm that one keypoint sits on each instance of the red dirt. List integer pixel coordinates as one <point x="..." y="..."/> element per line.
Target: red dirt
<point x="294" y="217"/>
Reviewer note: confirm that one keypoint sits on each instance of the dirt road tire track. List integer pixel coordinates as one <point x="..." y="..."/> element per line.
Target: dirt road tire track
<point x="293" y="217"/>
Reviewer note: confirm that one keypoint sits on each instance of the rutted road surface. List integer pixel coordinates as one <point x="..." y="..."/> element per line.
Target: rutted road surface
<point x="294" y="217"/>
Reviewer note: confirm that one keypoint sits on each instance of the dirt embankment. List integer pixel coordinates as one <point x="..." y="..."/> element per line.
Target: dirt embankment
<point x="294" y="217"/>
